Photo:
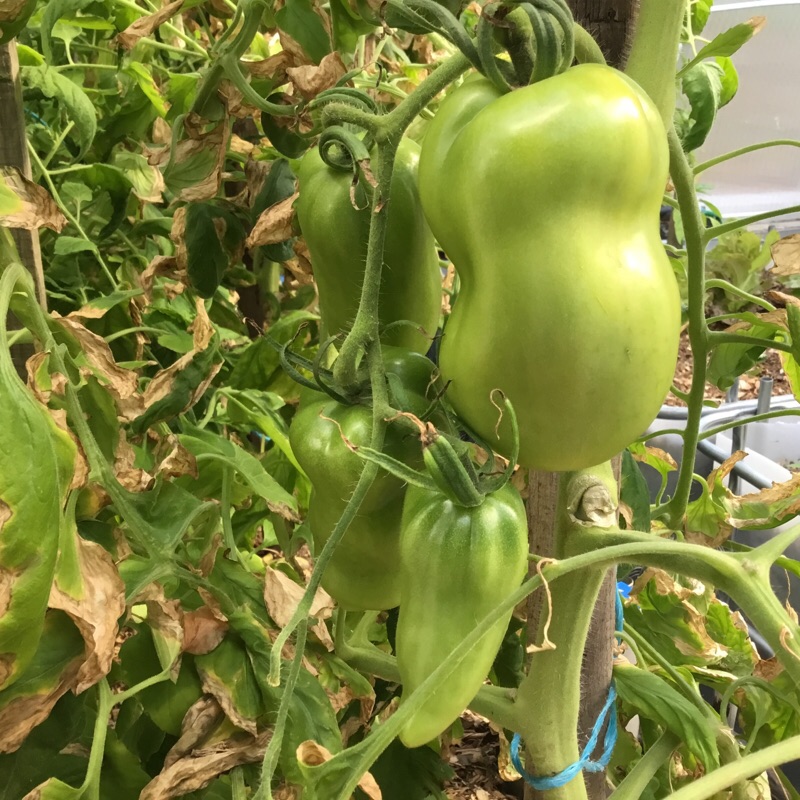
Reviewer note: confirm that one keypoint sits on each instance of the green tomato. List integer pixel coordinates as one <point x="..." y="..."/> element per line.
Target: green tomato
<point x="457" y="565"/>
<point x="336" y="234"/>
<point x="364" y="571"/>
<point x="547" y="201"/>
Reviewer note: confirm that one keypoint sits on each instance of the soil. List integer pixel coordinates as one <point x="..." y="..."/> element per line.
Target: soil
<point x="769" y="367"/>
<point x="474" y="758"/>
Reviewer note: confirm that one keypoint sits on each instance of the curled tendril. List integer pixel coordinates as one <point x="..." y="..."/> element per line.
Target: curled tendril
<point x="491" y="66"/>
<point x="552" y="29"/>
<point x="560" y="11"/>
<point x="548" y="57"/>
<point x="342" y="149"/>
<point x="429" y="16"/>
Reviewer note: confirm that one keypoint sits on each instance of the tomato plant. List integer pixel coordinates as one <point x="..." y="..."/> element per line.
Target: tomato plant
<point x="331" y="415"/>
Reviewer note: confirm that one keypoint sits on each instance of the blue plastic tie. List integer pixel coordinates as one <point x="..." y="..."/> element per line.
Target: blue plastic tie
<point x="585" y="763"/>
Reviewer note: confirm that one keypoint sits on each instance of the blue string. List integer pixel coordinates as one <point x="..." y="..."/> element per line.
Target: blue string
<point x="609" y="740"/>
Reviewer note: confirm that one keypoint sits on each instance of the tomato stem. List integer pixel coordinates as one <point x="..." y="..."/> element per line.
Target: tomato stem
<point x="694" y="226"/>
<point x="654" y="52"/>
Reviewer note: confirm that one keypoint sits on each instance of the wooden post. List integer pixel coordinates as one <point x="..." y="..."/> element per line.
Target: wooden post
<point x="609" y="21"/>
<point x="14" y="153"/>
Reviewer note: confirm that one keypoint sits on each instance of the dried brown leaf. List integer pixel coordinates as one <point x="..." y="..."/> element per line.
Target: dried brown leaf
<point x="201" y="328"/>
<point x="19" y="717"/>
<point x="313" y="755"/>
<point x="273" y="67"/>
<point x="198" y="726"/>
<point x="310" y="80"/>
<point x="133" y="478"/>
<point x="197" y="770"/>
<point x="179" y="461"/>
<point x="221" y="692"/>
<point x="781" y="299"/>
<point x="95" y="610"/>
<point x="161" y="265"/>
<point x="282" y="595"/>
<point x="38" y="210"/>
<point x="146" y="26"/>
<point x="214" y="140"/>
<point x="786" y="255"/>
<point x="202" y="631"/>
<point x="274" y="224"/>
<point x="234" y="101"/>
<point x="122" y="383"/>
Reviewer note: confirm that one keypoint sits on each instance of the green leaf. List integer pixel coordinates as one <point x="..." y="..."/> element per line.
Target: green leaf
<point x="258" y="363"/>
<point x="724" y="44"/>
<point x="203" y="443"/>
<point x="657" y="700"/>
<point x="165" y="703"/>
<point x="347" y="26"/>
<point x="69" y="245"/>
<point x="730" y="80"/>
<point x="54" y="11"/>
<point x="305" y="26"/>
<point x="146" y="180"/>
<point x="728" y="361"/>
<point x="250" y="408"/>
<point x="9" y="201"/>
<point x="181" y="89"/>
<point x="122" y="777"/>
<point x="411" y="774"/>
<point x="110" y="179"/>
<point x="702" y="85"/>
<point x="701" y="11"/>
<point x="635" y="493"/>
<point x="209" y="248"/>
<point x="79" y="108"/>
<point x="168" y="510"/>
<point x="147" y="84"/>
<point x="229" y="670"/>
<point x="282" y="133"/>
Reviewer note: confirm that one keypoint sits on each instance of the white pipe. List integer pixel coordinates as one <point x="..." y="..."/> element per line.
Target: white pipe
<point x="751" y="4"/>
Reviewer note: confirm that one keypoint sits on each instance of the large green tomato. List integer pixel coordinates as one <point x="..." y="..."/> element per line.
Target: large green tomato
<point x="336" y="234"/>
<point x="547" y="201"/>
<point x="457" y="565"/>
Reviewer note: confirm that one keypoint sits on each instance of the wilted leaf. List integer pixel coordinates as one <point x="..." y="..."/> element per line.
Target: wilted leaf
<point x="766" y="508"/>
<point x="179" y="461"/>
<point x="35" y="207"/>
<point x="194" y="171"/>
<point x="88" y="588"/>
<point x="145" y="26"/>
<point x="122" y="383"/>
<point x="282" y="596"/>
<point x="165" y="620"/>
<point x="174" y="390"/>
<point x="311" y="80"/>
<point x="51" y="673"/>
<point x="197" y="770"/>
<point x="311" y="754"/>
<point x="227" y="674"/>
<point x="274" y="225"/>
<point x="203" y="630"/>
<point x="786" y="254"/>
